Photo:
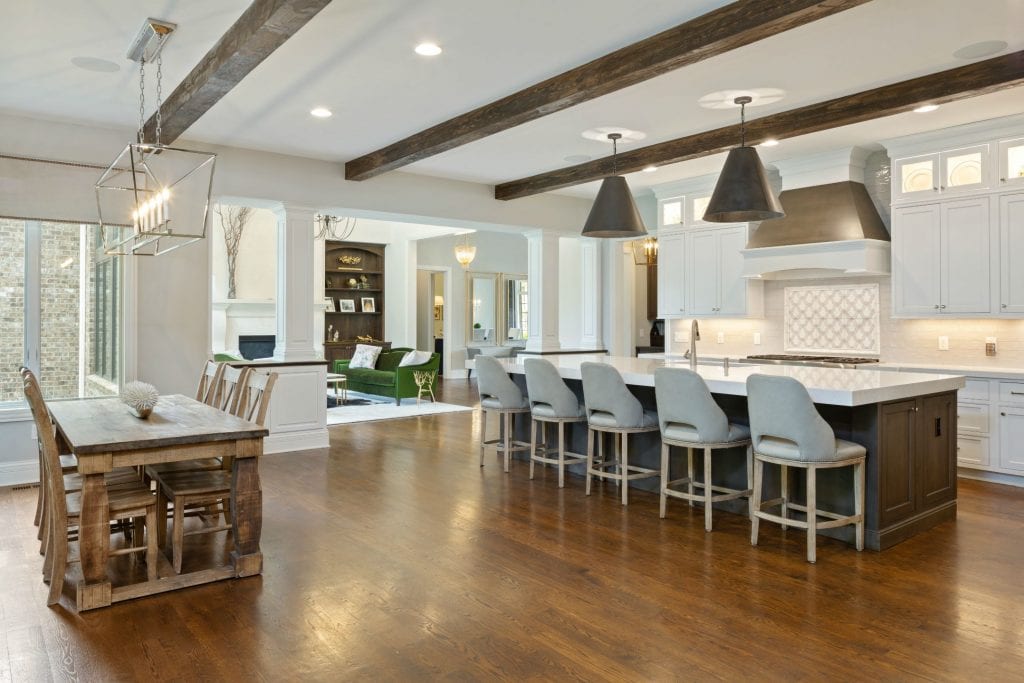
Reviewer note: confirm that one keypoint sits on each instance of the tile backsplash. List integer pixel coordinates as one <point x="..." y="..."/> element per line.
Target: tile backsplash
<point x="903" y="341"/>
<point x="832" y="319"/>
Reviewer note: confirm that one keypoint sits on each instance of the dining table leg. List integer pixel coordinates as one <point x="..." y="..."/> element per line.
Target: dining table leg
<point x="247" y="508"/>
<point x="94" y="544"/>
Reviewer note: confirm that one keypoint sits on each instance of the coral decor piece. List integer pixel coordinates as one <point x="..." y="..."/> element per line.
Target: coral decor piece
<point x="140" y="398"/>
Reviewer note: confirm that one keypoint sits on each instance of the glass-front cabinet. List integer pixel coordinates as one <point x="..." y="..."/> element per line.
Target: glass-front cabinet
<point x="670" y="212"/>
<point x="959" y="170"/>
<point x="965" y="169"/>
<point x="1011" y="162"/>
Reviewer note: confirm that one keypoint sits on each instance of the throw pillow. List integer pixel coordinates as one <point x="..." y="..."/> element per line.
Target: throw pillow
<point x="415" y="358"/>
<point x="365" y="356"/>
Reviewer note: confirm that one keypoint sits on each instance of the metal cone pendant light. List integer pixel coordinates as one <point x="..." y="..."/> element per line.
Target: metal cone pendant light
<point x="742" y="193"/>
<point x="614" y="213"/>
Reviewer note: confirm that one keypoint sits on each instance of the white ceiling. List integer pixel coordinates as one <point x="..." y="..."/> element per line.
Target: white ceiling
<point x="356" y="58"/>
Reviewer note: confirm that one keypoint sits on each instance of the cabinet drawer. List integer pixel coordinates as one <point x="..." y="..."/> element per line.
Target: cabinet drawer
<point x="1011" y="392"/>
<point x="974" y="390"/>
<point x="971" y="451"/>
<point x="972" y="418"/>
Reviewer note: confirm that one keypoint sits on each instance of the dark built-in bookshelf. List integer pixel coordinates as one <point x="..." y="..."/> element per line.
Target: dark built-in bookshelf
<point x="353" y="279"/>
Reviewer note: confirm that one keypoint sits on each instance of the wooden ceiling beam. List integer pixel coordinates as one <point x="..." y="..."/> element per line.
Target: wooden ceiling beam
<point x="980" y="78"/>
<point x="727" y="28"/>
<point x="262" y="28"/>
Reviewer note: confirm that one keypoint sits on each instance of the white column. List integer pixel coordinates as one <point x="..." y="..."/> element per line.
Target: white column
<point x="542" y="278"/>
<point x="591" y="332"/>
<point x="618" y="299"/>
<point x="295" y="284"/>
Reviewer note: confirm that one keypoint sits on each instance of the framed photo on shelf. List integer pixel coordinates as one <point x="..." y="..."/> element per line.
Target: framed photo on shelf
<point x="368" y="304"/>
<point x="329" y="304"/>
<point x="347" y="305"/>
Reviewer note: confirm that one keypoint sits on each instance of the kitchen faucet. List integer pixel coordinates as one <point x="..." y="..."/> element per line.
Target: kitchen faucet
<point x="694" y="338"/>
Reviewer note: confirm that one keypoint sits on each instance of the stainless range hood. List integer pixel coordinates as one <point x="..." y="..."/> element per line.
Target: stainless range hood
<point x="831" y="227"/>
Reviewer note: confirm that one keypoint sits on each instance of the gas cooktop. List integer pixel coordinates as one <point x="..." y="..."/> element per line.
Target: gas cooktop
<point x="825" y="361"/>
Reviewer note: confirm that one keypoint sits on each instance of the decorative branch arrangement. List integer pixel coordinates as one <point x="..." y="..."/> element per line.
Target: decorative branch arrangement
<point x="233" y="220"/>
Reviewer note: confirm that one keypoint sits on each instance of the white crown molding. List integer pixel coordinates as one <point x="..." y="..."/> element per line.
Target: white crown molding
<point x="955" y="137"/>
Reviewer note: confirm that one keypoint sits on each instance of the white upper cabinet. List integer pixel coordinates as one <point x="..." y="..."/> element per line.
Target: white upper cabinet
<point x="916" y="260"/>
<point x="670" y="212"/>
<point x="716" y="285"/>
<point x="943" y="259"/>
<point x="1011" y="163"/>
<point x="671" y="274"/>
<point x="954" y="171"/>
<point x="1011" y="249"/>
<point x="698" y="205"/>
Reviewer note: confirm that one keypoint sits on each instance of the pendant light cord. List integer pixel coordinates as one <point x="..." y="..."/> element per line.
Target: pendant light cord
<point x="743" y="124"/>
<point x="140" y="136"/>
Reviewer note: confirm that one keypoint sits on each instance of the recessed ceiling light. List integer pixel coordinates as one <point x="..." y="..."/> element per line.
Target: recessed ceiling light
<point x="650" y="169"/>
<point x="985" y="48"/>
<point x="321" y="112"/>
<point x="725" y="99"/>
<point x="770" y="142"/>
<point x="925" y="108"/>
<point x="104" y="66"/>
<point x="428" y="49"/>
<point x="601" y="134"/>
<point x="577" y="158"/>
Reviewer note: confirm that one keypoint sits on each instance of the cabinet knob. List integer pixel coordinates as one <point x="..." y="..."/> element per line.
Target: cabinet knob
<point x="942" y="187"/>
<point x="936" y="307"/>
<point x="935" y="189"/>
<point x="942" y="306"/>
<point x="1002" y="180"/>
<point x="1003" y="305"/>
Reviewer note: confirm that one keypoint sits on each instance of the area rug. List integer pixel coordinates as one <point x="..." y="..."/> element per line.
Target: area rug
<point x="387" y="410"/>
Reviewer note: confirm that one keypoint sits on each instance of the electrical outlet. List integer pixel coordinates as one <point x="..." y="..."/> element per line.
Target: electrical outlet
<point x="990" y="346"/>
<point x="721" y="338"/>
<point x="757" y="339"/>
<point x="943" y="343"/>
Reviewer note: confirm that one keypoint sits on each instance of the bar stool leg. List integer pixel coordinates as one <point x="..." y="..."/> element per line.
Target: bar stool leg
<point x="689" y="474"/>
<point x="590" y="456"/>
<point x="756" y="496"/>
<point x="812" y="513"/>
<point x="483" y="434"/>
<point x="533" y="444"/>
<point x="750" y="481"/>
<point x="858" y="501"/>
<point x="624" y="469"/>
<point x="507" y="439"/>
<point x="561" y="455"/>
<point x="665" y="478"/>
<point x="785" y="493"/>
<point x="707" y="489"/>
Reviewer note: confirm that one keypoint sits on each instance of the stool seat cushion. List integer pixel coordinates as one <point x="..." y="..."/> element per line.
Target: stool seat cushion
<point x="673" y="431"/>
<point x="781" y="448"/>
<point x="546" y="410"/>
<point x="491" y="403"/>
<point x="599" y="418"/>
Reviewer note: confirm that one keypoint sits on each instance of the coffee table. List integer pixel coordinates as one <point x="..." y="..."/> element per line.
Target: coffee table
<point x="339" y="381"/>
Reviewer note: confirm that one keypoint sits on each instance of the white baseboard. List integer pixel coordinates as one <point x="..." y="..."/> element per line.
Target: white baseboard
<point x="994" y="477"/>
<point x="19" y="472"/>
<point x="297" y="441"/>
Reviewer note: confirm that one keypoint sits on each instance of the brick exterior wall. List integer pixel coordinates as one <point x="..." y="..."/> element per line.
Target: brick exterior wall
<point x="12" y="307"/>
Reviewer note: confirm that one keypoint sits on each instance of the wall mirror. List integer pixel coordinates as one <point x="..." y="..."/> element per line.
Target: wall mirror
<point x="482" y="300"/>
<point x="515" y="308"/>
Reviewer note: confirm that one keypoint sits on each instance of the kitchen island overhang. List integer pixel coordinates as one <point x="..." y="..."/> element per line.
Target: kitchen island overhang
<point x="906" y="421"/>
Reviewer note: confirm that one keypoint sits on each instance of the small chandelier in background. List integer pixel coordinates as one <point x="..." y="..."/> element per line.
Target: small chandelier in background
<point x="742" y="193"/>
<point x="645" y="251"/>
<point x="328" y="227"/>
<point x="465" y="252"/>
<point x="153" y="198"/>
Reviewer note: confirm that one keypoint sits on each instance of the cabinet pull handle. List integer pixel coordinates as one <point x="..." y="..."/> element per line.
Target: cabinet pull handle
<point x="935" y="189"/>
<point x="1003" y="305"/>
<point x="1017" y="393"/>
<point x="1002" y="180"/>
<point x="936" y="307"/>
<point x="942" y="306"/>
<point x="1003" y="414"/>
<point x="938" y="426"/>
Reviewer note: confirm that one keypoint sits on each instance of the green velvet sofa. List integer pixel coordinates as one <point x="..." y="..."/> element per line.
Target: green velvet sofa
<point x="386" y="378"/>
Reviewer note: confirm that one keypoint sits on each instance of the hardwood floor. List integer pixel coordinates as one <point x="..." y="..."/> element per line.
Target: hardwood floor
<point x="395" y="557"/>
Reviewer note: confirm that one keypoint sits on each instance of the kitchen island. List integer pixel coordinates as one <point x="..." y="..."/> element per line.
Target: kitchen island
<point x="906" y="421"/>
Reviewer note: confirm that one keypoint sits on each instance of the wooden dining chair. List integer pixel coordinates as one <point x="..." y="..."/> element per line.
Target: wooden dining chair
<point x="67" y="463"/>
<point x="209" y="382"/>
<point x="125" y="501"/>
<point x="226" y="396"/>
<point x="208" y="488"/>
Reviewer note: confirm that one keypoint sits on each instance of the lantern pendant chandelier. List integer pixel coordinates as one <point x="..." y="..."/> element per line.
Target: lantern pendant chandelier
<point x="465" y="252"/>
<point x="614" y="213"/>
<point x="742" y="193"/>
<point x="153" y="198"/>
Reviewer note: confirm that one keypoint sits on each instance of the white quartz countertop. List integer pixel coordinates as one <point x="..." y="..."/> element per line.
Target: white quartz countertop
<point x="986" y="371"/>
<point x="830" y="386"/>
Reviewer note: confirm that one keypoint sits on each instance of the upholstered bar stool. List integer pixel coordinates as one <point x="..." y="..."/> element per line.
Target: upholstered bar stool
<point x="787" y="430"/>
<point x="551" y="401"/>
<point x="691" y="419"/>
<point x="613" y="409"/>
<point x="499" y="394"/>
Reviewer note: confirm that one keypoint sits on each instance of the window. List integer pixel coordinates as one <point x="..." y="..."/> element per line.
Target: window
<point x="61" y="310"/>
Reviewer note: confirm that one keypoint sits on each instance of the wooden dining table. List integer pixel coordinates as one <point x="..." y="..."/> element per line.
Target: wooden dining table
<point x="103" y="435"/>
